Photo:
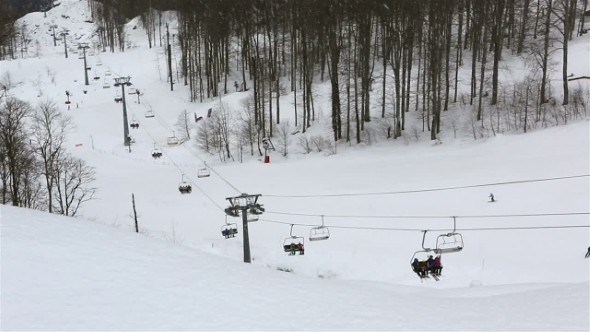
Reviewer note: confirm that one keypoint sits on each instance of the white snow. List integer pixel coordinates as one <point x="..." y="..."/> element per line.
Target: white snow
<point x="65" y="274"/>
<point x="72" y="274"/>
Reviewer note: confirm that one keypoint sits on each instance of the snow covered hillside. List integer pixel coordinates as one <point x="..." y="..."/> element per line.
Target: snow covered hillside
<point x="522" y="266"/>
<point x="65" y="274"/>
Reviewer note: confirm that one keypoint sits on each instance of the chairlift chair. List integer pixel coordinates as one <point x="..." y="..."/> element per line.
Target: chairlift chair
<point x="423" y="270"/>
<point x="98" y="62"/>
<point x="172" y="140"/>
<point x="184" y="187"/>
<point x="149" y="113"/>
<point x="294" y="244"/>
<point x="134" y="124"/>
<point x="132" y="91"/>
<point x="118" y="97"/>
<point x="203" y="172"/>
<point x="229" y="230"/>
<point x="252" y="217"/>
<point x="108" y="72"/>
<point x="106" y="85"/>
<point x="96" y="76"/>
<point x="156" y="152"/>
<point x="319" y="233"/>
<point x="421" y="253"/>
<point x="449" y="243"/>
<point x="81" y="56"/>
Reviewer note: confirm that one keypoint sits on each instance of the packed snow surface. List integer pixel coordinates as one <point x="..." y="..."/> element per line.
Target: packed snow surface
<point x="66" y="274"/>
<point x="180" y="273"/>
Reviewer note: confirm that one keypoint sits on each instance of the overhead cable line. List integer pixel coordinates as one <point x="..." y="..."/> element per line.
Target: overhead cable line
<point x="167" y="127"/>
<point x="434" y="230"/>
<point x="428" y="190"/>
<point x="432" y="217"/>
<point x="182" y="172"/>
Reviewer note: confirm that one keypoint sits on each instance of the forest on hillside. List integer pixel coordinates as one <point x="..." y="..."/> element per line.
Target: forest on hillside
<point x="382" y="59"/>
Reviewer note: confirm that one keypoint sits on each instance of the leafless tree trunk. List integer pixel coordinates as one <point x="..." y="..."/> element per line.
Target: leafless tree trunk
<point x="73" y="178"/>
<point x="14" y="145"/>
<point x="48" y="134"/>
<point x="184" y="125"/>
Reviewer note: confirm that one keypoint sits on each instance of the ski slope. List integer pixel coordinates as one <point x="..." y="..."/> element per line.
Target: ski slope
<point x="510" y="276"/>
<point x="67" y="274"/>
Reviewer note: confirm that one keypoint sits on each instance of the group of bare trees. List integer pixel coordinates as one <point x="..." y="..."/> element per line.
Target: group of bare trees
<point x="8" y="32"/>
<point x="433" y="56"/>
<point x="109" y="20"/>
<point x="383" y="60"/>
<point x="13" y="36"/>
<point x="420" y="47"/>
<point x="36" y="171"/>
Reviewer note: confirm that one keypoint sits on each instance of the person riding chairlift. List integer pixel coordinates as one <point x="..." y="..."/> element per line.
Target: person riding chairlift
<point x="417" y="268"/>
<point x="300" y="248"/>
<point x="437" y="270"/>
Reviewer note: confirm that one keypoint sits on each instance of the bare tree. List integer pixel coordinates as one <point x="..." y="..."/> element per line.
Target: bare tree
<point x="205" y="138"/>
<point x="13" y="144"/>
<point x="51" y="73"/>
<point x="7" y="83"/>
<point x="184" y="125"/>
<point x="565" y="12"/>
<point x="48" y="135"/>
<point x="284" y="138"/>
<point x="217" y="133"/>
<point x="248" y="131"/>
<point x="32" y="192"/>
<point x="72" y="184"/>
<point x="222" y="119"/>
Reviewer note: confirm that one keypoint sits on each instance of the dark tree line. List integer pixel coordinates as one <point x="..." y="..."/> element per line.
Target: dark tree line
<point x="13" y="37"/>
<point x="18" y="8"/>
<point x="385" y="61"/>
<point x="421" y="47"/>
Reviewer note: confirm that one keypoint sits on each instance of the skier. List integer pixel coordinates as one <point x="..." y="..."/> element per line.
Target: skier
<point x="417" y="268"/>
<point x="492" y="198"/>
<point x="437" y="266"/>
<point x="588" y="253"/>
<point x="300" y="248"/>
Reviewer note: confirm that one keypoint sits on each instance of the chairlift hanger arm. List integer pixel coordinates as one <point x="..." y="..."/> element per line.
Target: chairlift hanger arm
<point x="424" y="239"/>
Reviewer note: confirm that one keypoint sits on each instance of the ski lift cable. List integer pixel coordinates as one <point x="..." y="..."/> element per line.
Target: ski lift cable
<point x="429" y="190"/>
<point x="481" y="229"/>
<point x="431" y="217"/>
<point x="167" y="127"/>
<point x="184" y="174"/>
<point x="201" y="159"/>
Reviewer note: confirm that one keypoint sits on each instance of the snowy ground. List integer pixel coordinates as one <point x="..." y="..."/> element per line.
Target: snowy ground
<point x="66" y="274"/>
<point x="53" y="268"/>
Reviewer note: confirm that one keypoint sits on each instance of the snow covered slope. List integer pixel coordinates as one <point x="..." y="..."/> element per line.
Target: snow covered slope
<point x="66" y="274"/>
<point x="491" y="257"/>
<point x="513" y="273"/>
